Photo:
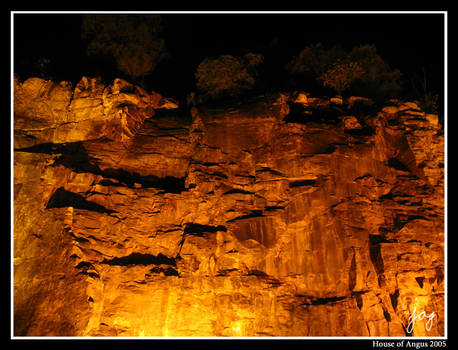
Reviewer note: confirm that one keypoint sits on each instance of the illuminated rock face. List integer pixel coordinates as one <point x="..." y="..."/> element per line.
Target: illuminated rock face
<point x="263" y="219"/>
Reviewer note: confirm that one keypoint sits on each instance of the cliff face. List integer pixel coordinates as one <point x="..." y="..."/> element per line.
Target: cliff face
<point x="270" y="218"/>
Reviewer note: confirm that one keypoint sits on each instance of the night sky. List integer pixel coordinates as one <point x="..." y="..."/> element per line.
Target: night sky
<point x="408" y="42"/>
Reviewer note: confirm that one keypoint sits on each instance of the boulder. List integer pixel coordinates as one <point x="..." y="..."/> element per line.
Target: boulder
<point x="351" y="123"/>
<point x="300" y="97"/>
<point x="336" y="100"/>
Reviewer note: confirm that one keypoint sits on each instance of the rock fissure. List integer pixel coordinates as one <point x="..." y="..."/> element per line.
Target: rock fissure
<point x="140" y="259"/>
<point x="62" y="198"/>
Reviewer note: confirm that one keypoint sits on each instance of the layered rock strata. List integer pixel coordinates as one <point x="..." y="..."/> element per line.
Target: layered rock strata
<point x="268" y="218"/>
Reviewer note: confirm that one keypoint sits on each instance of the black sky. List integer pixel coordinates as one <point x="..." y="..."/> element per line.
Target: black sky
<point x="408" y="42"/>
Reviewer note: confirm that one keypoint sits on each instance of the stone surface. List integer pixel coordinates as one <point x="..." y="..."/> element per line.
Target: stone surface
<point x="134" y="220"/>
<point x="48" y="112"/>
<point x="351" y="123"/>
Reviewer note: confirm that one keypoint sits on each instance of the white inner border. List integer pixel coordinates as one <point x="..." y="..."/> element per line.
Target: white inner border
<point x="384" y="339"/>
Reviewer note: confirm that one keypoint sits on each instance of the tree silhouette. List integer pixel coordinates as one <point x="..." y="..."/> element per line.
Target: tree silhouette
<point x="314" y="60"/>
<point x="227" y="75"/>
<point x="379" y="80"/>
<point x="133" y="40"/>
<point x="341" y="75"/>
<point x="361" y="69"/>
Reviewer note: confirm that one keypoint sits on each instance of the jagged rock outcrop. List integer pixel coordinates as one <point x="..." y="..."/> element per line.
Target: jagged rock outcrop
<point x="49" y="112"/>
<point x="269" y="218"/>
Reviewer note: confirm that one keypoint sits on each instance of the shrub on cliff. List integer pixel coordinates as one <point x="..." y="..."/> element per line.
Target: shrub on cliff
<point x="379" y="80"/>
<point x="341" y="75"/>
<point x="314" y="60"/>
<point x="360" y="70"/>
<point x="133" y="40"/>
<point x="427" y="100"/>
<point x="226" y="75"/>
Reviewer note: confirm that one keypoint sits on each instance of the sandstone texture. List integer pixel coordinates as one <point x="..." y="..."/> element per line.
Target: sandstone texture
<point x="272" y="217"/>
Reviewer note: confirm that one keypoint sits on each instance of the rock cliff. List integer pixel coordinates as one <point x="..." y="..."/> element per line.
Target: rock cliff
<point x="272" y="217"/>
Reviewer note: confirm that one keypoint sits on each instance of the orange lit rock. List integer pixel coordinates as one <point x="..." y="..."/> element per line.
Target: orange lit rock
<point x="261" y="219"/>
<point x="351" y="123"/>
<point x="47" y="112"/>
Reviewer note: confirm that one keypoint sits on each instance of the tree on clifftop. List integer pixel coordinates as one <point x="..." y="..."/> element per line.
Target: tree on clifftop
<point x="341" y="75"/>
<point x="227" y="75"/>
<point x="360" y="70"/>
<point x="133" y="40"/>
